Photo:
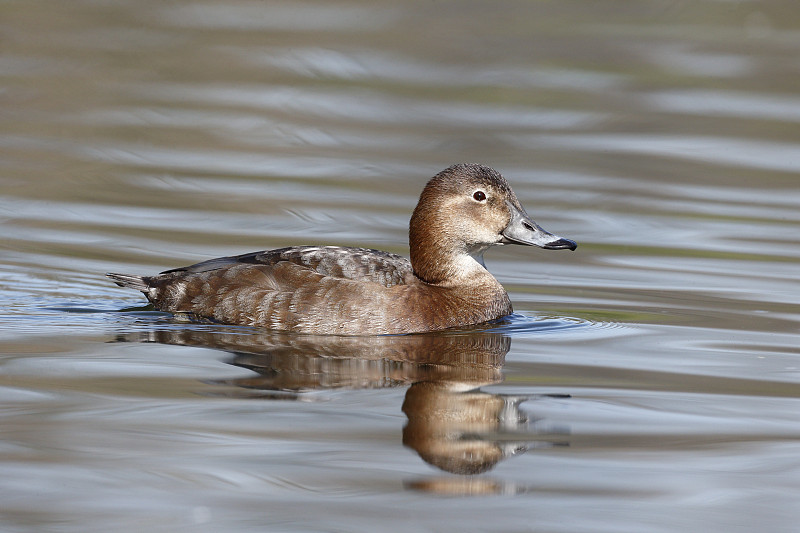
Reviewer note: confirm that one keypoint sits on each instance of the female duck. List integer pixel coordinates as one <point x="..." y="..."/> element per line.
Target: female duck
<point x="462" y="211"/>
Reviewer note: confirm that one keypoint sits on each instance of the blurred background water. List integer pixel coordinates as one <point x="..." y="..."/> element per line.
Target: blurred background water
<point x="650" y="381"/>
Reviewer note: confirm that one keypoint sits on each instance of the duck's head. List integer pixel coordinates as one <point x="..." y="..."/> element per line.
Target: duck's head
<point x="464" y="210"/>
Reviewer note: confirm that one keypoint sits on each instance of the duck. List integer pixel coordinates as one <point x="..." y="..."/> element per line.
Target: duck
<point x="331" y="290"/>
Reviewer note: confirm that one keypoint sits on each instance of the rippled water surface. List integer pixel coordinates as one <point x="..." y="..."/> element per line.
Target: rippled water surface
<point x="649" y="381"/>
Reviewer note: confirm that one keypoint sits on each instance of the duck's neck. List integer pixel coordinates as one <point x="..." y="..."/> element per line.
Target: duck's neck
<point x="442" y="262"/>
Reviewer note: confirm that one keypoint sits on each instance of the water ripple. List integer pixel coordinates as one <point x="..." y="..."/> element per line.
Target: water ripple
<point x="521" y="325"/>
<point x="735" y="152"/>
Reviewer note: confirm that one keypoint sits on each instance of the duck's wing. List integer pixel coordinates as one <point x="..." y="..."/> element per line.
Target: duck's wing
<point x="304" y="288"/>
<point x="360" y="264"/>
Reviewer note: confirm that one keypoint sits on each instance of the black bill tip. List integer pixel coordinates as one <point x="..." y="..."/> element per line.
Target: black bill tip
<point x="561" y="244"/>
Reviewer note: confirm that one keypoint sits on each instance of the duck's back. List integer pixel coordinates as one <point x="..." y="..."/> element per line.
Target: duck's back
<point x="321" y="289"/>
<point x="359" y="264"/>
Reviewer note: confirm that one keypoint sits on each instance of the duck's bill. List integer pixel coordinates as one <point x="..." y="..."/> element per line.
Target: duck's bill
<point x="523" y="230"/>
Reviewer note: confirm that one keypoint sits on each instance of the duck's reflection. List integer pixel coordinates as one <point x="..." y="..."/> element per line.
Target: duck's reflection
<point x="452" y="424"/>
<point x="453" y="429"/>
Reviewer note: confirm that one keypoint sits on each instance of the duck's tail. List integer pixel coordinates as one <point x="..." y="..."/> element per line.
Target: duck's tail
<point x="130" y="281"/>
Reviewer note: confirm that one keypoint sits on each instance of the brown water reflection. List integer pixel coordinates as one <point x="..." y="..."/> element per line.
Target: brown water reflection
<point x="452" y="423"/>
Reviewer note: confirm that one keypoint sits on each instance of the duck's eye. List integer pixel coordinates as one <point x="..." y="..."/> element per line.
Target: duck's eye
<point x="479" y="196"/>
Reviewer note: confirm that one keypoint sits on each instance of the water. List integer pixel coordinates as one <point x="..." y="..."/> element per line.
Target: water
<point x="649" y="381"/>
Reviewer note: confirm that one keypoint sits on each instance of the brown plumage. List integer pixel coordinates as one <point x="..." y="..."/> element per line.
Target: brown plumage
<point x="462" y="211"/>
